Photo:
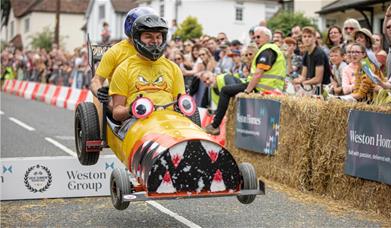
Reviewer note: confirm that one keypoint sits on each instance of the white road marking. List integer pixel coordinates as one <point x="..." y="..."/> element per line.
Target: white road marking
<point x="173" y="214"/>
<point x="62" y="147"/>
<point x="1" y="112"/>
<point x="65" y="137"/>
<point x="20" y="123"/>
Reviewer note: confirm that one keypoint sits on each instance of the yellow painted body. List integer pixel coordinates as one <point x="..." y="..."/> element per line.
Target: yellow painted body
<point x="165" y="127"/>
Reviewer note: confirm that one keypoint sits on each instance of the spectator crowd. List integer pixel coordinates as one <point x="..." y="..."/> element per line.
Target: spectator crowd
<point x="336" y="64"/>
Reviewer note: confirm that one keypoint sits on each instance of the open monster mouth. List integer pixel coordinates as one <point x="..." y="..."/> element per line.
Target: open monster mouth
<point x="193" y="166"/>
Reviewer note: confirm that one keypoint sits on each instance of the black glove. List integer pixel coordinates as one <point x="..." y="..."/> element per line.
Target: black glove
<point x="103" y="94"/>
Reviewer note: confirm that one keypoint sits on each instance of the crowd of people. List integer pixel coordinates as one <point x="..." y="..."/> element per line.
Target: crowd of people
<point x="55" y="66"/>
<point x="337" y="64"/>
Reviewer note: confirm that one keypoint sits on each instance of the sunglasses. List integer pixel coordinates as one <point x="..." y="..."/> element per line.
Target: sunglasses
<point x="349" y="28"/>
<point x="354" y="52"/>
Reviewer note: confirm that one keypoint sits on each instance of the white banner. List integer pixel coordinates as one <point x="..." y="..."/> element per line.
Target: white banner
<point x="55" y="177"/>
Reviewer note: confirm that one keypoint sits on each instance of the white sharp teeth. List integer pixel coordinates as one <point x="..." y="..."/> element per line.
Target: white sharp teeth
<point x="208" y="146"/>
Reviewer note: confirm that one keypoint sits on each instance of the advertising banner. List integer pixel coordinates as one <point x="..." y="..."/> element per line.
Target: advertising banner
<point x="55" y="177"/>
<point x="257" y="125"/>
<point x="369" y="146"/>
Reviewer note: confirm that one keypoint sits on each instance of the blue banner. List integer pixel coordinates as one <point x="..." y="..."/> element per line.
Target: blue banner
<point x="369" y="146"/>
<point x="257" y="125"/>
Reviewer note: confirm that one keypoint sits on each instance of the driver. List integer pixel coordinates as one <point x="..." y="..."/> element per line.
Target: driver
<point x="115" y="55"/>
<point x="147" y="73"/>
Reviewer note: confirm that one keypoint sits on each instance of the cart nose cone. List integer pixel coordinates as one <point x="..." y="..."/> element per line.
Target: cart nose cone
<point x="192" y="166"/>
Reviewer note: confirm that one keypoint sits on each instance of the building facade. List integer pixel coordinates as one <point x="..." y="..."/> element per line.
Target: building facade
<point x="233" y="17"/>
<point x="27" y="18"/>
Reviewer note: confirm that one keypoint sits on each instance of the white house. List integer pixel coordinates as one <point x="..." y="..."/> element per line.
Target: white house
<point x="28" y="17"/>
<point x="234" y="17"/>
<point x="111" y="11"/>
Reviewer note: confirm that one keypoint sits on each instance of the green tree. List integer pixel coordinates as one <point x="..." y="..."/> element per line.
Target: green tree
<point x="285" y="20"/>
<point x="189" y="29"/>
<point x="43" y="39"/>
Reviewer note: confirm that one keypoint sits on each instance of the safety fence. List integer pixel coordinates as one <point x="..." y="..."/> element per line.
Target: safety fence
<point x="56" y="95"/>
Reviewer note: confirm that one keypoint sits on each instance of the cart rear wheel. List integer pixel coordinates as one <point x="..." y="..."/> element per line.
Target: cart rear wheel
<point x="249" y="182"/>
<point x="119" y="186"/>
<point x="86" y="129"/>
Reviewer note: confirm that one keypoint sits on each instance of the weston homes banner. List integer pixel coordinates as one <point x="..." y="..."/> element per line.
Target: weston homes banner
<point x="369" y="146"/>
<point x="257" y="125"/>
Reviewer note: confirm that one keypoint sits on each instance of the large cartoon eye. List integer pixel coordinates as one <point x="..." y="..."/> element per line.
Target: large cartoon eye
<point x="142" y="108"/>
<point x="142" y="80"/>
<point x="159" y="80"/>
<point x="187" y="105"/>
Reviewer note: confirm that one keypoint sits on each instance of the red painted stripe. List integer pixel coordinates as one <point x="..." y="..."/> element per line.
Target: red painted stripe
<point x="17" y="91"/>
<point x="12" y="86"/>
<point x="6" y="85"/>
<point x="24" y="89"/>
<point x="55" y="95"/>
<point x="82" y="96"/>
<point x="42" y="98"/>
<point x="67" y="97"/>
<point x="35" y="91"/>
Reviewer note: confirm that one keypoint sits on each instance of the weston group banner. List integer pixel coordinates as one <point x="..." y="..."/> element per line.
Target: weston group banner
<point x="257" y="125"/>
<point x="55" y="177"/>
<point x="369" y="146"/>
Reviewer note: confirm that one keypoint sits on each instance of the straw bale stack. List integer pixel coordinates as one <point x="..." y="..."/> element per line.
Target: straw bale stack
<point x="311" y="151"/>
<point x="328" y="176"/>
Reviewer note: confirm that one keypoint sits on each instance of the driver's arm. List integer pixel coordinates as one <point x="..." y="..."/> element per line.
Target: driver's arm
<point x="103" y="72"/>
<point x="96" y="83"/>
<point x="119" y="91"/>
<point x="120" y="109"/>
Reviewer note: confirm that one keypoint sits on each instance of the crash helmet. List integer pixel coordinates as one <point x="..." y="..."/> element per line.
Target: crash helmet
<point x="132" y="15"/>
<point x="149" y="23"/>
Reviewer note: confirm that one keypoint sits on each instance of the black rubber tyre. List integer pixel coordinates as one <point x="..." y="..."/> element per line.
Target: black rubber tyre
<point x="86" y="129"/>
<point x="196" y="118"/>
<point x="249" y="182"/>
<point x="119" y="186"/>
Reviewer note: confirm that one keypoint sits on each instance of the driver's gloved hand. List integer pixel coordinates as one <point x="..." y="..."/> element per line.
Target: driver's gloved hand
<point x="103" y="94"/>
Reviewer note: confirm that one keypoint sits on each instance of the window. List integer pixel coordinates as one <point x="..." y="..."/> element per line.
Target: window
<point x="27" y="25"/>
<point x="288" y="5"/>
<point x="239" y="13"/>
<point x="102" y="12"/>
<point x="12" y="29"/>
<point x="161" y="8"/>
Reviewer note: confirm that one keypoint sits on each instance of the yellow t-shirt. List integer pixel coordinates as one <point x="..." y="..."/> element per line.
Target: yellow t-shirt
<point x="113" y="57"/>
<point x="161" y="81"/>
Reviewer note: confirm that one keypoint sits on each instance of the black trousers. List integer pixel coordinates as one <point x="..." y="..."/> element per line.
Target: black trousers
<point x="226" y="93"/>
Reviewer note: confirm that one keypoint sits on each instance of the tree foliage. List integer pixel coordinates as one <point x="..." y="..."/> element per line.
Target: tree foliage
<point x="43" y="39"/>
<point x="189" y="29"/>
<point x="285" y="20"/>
<point x="5" y="11"/>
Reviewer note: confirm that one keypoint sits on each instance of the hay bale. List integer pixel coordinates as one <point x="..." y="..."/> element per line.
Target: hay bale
<point x="290" y="164"/>
<point x="311" y="151"/>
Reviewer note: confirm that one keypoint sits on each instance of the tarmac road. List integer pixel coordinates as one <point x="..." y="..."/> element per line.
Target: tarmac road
<point x="280" y="207"/>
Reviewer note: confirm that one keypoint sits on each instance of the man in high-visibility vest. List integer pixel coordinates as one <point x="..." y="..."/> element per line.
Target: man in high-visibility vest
<point x="216" y="83"/>
<point x="268" y="71"/>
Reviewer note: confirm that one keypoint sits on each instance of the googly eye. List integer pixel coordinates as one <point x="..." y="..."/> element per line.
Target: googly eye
<point x="187" y="105"/>
<point x="142" y="108"/>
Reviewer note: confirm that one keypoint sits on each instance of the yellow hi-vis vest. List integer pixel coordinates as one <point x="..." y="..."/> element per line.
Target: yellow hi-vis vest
<point x="273" y="78"/>
<point x="221" y="81"/>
